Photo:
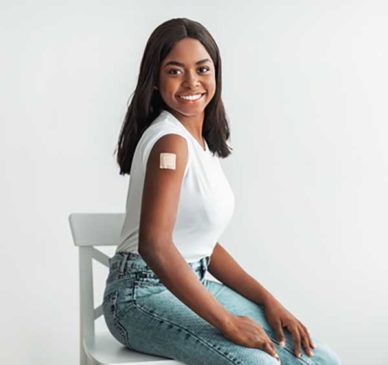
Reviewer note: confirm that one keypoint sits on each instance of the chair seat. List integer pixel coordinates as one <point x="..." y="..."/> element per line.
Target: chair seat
<point x="107" y="350"/>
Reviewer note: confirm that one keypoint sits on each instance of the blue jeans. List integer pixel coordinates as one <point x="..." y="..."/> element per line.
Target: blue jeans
<point x="145" y="316"/>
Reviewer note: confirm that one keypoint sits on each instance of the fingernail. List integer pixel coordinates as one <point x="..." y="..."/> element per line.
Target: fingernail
<point x="282" y="343"/>
<point x="311" y="353"/>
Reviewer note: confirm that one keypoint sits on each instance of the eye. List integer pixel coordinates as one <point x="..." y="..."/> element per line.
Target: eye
<point x="172" y="69"/>
<point x="204" y="67"/>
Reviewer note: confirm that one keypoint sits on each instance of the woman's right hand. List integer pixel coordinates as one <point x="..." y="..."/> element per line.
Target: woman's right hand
<point x="246" y="332"/>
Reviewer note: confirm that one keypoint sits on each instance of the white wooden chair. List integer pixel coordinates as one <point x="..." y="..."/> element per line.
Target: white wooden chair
<point x="100" y="347"/>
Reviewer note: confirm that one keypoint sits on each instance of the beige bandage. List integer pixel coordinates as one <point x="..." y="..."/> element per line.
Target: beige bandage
<point x="167" y="160"/>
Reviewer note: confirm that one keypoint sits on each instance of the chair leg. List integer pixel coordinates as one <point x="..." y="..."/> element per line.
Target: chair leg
<point x="83" y="356"/>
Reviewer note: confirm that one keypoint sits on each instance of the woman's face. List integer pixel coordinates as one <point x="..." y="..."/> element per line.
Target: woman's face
<point x="187" y="70"/>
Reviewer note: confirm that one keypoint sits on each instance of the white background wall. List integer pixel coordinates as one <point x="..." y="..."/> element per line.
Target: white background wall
<point x="305" y="87"/>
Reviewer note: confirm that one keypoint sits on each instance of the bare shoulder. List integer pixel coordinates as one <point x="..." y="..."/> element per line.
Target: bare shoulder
<point x="161" y="191"/>
<point x="169" y="149"/>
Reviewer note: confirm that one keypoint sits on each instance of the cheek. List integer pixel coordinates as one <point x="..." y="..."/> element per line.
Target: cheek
<point x="212" y="89"/>
<point x="166" y="84"/>
<point x="167" y="90"/>
<point x="212" y="84"/>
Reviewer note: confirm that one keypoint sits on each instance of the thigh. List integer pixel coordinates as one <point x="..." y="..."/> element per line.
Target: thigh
<point x="156" y="322"/>
<point x="146" y="317"/>
<point x="239" y="305"/>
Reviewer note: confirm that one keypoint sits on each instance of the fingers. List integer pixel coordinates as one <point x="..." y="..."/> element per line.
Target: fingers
<point x="296" y="337"/>
<point x="280" y="334"/>
<point x="270" y="348"/>
<point x="308" y="343"/>
<point x="300" y="336"/>
<point x="305" y="341"/>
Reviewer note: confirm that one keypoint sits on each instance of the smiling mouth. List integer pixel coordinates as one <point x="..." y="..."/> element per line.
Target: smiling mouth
<point x="191" y="98"/>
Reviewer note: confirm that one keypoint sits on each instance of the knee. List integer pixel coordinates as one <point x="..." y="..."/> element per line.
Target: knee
<point x="324" y="355"/>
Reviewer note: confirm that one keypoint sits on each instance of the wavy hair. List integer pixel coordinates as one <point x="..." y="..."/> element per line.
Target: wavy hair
<point x="147" y="103"/>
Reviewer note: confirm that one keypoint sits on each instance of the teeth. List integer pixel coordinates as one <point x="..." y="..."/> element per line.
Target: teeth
<point x="191" y="97"/>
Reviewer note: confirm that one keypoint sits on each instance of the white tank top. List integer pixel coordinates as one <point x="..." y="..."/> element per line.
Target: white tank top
<point x="206" y="202"/>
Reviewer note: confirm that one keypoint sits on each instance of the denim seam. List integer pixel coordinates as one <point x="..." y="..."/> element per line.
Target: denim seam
<point x="203" y="341"/>
<point x="112" y="302"/>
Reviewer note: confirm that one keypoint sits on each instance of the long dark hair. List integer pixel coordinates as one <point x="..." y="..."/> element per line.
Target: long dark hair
<point x="147" y="104"/>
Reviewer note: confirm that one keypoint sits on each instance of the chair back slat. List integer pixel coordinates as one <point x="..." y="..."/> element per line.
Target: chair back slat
<point x="96" y="229"/>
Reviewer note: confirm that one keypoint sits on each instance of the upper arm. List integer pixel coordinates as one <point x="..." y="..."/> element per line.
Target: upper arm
<point x="161" y="191"/>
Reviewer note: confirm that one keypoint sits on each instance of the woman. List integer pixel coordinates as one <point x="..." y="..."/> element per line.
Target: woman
<point x="179" y="202"/>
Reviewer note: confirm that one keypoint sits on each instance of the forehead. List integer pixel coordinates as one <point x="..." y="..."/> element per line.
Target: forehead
<point x="187" y="51"/>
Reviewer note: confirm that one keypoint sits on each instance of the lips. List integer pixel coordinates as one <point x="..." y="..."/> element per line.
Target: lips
<point x="193" y="94"/>
<point x="195" y="97"/>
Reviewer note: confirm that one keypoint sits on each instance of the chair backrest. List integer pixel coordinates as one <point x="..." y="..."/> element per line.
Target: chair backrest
<point x="96" y="229"/>
<point x="89" y="230"/>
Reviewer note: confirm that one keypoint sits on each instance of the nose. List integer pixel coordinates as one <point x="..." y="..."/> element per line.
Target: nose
<point x="191" y="80"/>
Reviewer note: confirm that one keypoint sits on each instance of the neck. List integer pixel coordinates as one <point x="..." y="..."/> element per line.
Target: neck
<point x="193" y="123"/>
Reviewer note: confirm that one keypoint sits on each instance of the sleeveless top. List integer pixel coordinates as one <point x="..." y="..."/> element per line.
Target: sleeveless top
<point x="206" y="201"/>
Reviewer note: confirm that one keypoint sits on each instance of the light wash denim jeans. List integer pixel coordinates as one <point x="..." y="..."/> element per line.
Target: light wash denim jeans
<point x="145" y="316"/>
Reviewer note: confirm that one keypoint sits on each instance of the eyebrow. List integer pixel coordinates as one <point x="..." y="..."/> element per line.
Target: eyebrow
<point x="183" y="65"/>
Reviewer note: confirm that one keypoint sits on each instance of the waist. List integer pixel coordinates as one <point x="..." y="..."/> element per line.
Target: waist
<point x="132" y="264"/>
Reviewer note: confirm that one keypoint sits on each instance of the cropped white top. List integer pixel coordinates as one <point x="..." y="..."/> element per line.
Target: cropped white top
<point x="206" y="202"/>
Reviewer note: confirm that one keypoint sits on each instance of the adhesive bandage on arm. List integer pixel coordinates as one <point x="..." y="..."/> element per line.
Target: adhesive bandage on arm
<point x="168" y="160"/>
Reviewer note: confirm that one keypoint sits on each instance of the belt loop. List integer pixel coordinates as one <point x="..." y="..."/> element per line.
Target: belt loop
<point x="204" y="260"/>
<point x="203" y="267"/>
<point x="123" y="262"/>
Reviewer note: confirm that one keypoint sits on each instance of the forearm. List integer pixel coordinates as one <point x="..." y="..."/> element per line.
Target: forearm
<point x="173" y="271"/>
<point x="224" y="268"/>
